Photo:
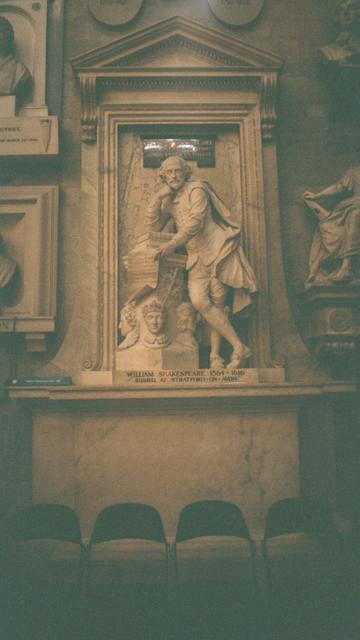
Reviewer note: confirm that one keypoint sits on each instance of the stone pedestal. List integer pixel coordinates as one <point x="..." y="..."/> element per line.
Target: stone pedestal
<point x="332" y="321"/>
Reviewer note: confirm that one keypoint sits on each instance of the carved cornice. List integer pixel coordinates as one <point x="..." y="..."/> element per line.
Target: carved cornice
<point x="89" y="108"/>
<point x="263" y="84"/>
<point x="168" y="31"/>
<point x="141" y="61"/>
<point x="178" y="41"/>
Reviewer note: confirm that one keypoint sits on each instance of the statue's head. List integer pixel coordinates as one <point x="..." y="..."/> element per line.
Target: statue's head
<point x="175" y="171"/>
<point x="7" y="37"/>
<point x="186" y="317"/>
<point x="155" y="316"/>
<point x="128" y="318"/>
<point x="347" y="15"/>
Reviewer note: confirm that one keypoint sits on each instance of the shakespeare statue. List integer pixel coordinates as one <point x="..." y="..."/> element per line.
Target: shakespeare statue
<point x="215" y="258"/>
<point x="346" y="47"/>
<point x="336" y="243"/>
<point x="15" y="77"/>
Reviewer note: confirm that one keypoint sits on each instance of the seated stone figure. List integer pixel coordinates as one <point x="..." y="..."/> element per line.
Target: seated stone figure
<point x="337" y="239"/>
<point x="15" y="77"/>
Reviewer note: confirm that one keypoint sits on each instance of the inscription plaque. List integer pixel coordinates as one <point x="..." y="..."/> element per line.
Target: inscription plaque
<point x="236" y="12"/>
<point x="202" y="377"/>
<point x="114" y="12"/>
<point x="29" y="136"/>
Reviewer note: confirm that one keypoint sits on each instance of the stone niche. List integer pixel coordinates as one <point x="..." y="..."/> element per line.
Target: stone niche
<point x="174" y="79"/>
<point x="25" y="96"/>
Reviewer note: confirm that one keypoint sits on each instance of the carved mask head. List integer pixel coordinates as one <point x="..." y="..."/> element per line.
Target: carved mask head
<point x="128" y="319"/>
<point x="155" y="316"/>
<point x="186" y="317"/>
<point x="6" y="37"/>
<point x="175" y="171"/>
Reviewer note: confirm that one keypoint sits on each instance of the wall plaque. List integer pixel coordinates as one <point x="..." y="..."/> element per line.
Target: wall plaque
<point x="114" y="12"/>
<point x="29" y="136"/>
<point x="236" y="12"/>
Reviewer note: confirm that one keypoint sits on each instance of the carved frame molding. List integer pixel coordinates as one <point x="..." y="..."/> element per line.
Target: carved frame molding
<point x="29" y="223"/>
<point x="114" y="94"/>
<point x="102" y="346"/>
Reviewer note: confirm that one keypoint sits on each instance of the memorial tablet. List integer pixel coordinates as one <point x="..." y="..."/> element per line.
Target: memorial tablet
<point x="236" y="12"/>
<point x="114" y="12"/>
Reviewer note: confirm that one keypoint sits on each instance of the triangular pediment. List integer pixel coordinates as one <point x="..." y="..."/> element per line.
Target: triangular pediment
<point x="176" y="43"/>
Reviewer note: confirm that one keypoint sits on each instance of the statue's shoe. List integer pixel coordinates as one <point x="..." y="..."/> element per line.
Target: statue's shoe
<point x="217" y="362"/>
<point x="238" y="357"/>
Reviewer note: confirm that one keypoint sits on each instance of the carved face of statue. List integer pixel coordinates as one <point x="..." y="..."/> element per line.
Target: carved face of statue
<point x="6" y="37"/>
<point x="186" y="320"/>
<point x="127" y="320"/>
<point x="155" y="321"/>
<point x="348" y="14"/>
<point x="174" y="171"/>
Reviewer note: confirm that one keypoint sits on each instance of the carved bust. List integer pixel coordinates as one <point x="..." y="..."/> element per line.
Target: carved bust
<point x="346" y="47"/>
<point x="155" y="318"/>
<point x="186" y="325"/>
<point x="14" y="75"/>
<point x="129" y="326"/>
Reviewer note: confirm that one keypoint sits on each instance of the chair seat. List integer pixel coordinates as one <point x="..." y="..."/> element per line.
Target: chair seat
<point x="214" y="558"/>
<point x="128" y="562"/>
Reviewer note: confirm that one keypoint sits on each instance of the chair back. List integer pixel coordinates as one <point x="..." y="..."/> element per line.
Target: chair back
<point x="128" y="520"/>
<point x="311" y="516"/>
<point x="51" y="521"/>
<point x="211" y="518"/>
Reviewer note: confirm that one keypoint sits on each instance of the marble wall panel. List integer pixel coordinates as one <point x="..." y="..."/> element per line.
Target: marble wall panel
<point x="90" y="461"/>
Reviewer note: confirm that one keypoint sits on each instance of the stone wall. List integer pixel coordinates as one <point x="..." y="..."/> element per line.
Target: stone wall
<point x="313" y="150"/>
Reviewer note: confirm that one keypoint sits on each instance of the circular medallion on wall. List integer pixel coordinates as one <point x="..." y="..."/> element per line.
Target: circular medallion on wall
<point x="236" y="12"/>
<point x="340" y="320"/>
<point x="114" y="13"/>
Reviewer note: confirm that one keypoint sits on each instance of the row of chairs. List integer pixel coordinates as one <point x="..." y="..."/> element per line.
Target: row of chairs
<point x="308" y="516"/>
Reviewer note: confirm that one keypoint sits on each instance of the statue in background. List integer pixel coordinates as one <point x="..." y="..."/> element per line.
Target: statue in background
<point x="336" y="242"/>
<point x="215" y="258"/>
<point x="14" y="75"/>
<point x="346" y="47"/>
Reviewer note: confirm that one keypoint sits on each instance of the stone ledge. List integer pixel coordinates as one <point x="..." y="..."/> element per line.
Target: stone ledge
<point x="155" y="392"/>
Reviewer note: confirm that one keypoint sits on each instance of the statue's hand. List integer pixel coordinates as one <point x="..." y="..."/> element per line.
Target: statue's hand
<point x="164" y="251"/>
<point x="164" y="192"/>
<point x="308" y="195"/>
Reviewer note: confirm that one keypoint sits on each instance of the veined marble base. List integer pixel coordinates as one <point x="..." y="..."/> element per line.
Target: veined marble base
<point x="88" y="457"/>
